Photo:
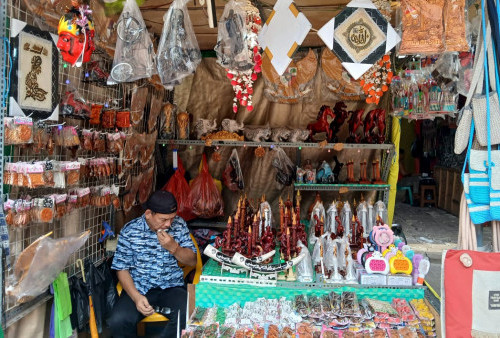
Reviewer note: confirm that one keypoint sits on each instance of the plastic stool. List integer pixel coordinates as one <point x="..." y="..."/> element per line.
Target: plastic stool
<point x="410" y="193"/>
<point x="423" y="200"/>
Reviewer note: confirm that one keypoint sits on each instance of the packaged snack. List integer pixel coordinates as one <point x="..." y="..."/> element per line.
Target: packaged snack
<point x="87" y="142"/>
<point x="18" y="130"/>
<point x="60" y="205"/>
<point x="22" y="215"/>
<point x="301" y="305"/>
<point x="9" y="212"/>
<point x="314" y="306"/>
<point x="69" y="137"/>
<point x="287" y="332"/>
<point x="99" y="142"/>
<point x="108" y="118"/>
<point x="115" y="142"/>
<point x="95" y="114"/>
<point x="123" y="119"/>
<point x="34" y="174"/>
<point x="83" y="195"/>
<point x="327" y="332"/>
<point x="43" y="210"/>
<point x="349" y="304"/>
<point x="72" y="172"/>
<point x="72" y="202"/>
<point x="40" y="137"/>
<point x="304" y="330"/>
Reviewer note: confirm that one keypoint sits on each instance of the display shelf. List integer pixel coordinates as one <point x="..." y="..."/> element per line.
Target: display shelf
<point x="336" y="187"/>
<point x="231" y="143"/>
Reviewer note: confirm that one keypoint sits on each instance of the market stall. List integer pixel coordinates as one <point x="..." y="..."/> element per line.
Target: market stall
<point x="284" y="142"/>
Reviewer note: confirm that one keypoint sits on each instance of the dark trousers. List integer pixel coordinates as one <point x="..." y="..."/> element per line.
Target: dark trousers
<point x="124" y="318"/>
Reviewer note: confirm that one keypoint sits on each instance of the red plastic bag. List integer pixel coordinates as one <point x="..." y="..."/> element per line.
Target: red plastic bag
<point x="179" y="187"/>
<point x="206" y="200"/>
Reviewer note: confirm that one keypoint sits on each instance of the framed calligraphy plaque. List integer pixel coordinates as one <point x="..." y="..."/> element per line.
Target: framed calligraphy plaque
<point x="35" y="72"/>
<point x="359" y="35"/>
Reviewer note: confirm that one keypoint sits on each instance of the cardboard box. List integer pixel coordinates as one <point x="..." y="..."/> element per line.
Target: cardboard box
<point x="371" y="279"/>
<point x="399" y="280"/>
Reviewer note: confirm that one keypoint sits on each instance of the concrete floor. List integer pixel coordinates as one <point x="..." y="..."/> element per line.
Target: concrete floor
<point x="431" y="231"/>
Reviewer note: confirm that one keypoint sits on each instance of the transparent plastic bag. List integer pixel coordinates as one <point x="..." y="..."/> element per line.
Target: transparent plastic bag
<point x="304" y="267"/>
<point x="318" y="213"/>
<point x="285" y="169"/>
<point x="232" y="175"/>
<point x="40" y="263"/>
<point x="231" y="49"/>
<point x="205" y="198"/>
<point x="134" y="54"/>
<point x="178" y="51"/>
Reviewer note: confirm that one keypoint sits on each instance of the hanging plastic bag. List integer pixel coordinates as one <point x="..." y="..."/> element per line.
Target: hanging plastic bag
<point x="285" y="169"/>
<point x="205" y="198"/>
<point x="304" y="267"/>
<point x="40" y="263"/>
<point x="178" y="51"/>
<point x="231" y="48"/>
<point x="80" y="304"/>
<point x="134" y="54"/>
<point x="232" y="175"/>
<point x="179" y="187"/>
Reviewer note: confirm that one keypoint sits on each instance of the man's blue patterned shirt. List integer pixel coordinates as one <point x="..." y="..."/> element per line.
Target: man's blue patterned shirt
<point x="150" y="265"/>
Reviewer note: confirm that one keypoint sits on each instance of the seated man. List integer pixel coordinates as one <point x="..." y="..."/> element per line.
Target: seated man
<point x="146" y="257"/>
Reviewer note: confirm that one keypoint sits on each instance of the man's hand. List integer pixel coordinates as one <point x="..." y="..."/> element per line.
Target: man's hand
<point x="167" y="242"/>
<point x="142" y="305"/>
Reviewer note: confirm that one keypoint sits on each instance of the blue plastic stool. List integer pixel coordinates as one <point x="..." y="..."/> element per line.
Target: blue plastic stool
<point x="410" y="193"/>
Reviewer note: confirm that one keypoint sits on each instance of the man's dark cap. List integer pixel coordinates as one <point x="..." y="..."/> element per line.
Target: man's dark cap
<point x="161" y="202"/>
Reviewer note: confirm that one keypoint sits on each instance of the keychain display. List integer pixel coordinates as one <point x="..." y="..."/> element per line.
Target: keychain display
<point x="134" y="54"/>
<point x="178" y="51"/>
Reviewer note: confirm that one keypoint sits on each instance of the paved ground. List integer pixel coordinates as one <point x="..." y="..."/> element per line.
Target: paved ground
<point x="430" y="230"/>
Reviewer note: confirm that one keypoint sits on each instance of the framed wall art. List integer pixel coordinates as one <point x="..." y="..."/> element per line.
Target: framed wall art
<point x="35" y="72"/>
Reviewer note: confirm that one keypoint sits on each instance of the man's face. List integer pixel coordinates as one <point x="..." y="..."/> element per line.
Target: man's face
<point x="158" y="221"/>
<point x="70" y="46"/>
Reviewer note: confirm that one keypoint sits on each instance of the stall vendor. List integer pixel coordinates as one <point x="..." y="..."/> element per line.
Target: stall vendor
<point x="149" y="248"/>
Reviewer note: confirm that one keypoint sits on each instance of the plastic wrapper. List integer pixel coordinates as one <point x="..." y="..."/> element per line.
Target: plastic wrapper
<point x="345" y="218"/>
<point x="285" y="169"/>
<point x="22" y="215"/>
<point x="304" y="268"/>
<point x="71" y="171"/>
<point x="335" y="302"/>
<point x="108" y="118"/>
<point x="134" y="54"/>
<point x="230" y="48"/>
<point x="204" y="197"/>
<point x="178" y="51"/>
<point x="317" y="213"/>
<point x="179" y="187"/>
<point x="40" y="263"/>
<point x="423" y="29"/>
<point x="232" y="175"/>
<point x="18" y="130"/>
<point x="87" y="140"/>
<point x="43" y="210"/>
<point x="99" y="142"/>
<point x="83" y="197"/>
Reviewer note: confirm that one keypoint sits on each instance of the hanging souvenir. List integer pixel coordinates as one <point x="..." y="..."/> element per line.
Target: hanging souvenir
<point x="134" y="54"/>
<point x="455" y="26"/>
<point x="178" y="51"/>
<point x="232" y="175"/>
<point x="76" y="35"/>
<point x="34" y="80"/>
<point x="338" y="84"/>
<point x="375" y="82"/>
<point x="359" y="35"/>
<point x="279" y="44"/>
<point x="238" y="50"/>
<point x="422" y="27"/>
<point x="296" y="82"/>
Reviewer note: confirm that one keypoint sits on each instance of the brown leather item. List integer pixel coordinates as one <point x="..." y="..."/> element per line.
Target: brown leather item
<point x="454" y="26"/>
<point x="423" y="29"/>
